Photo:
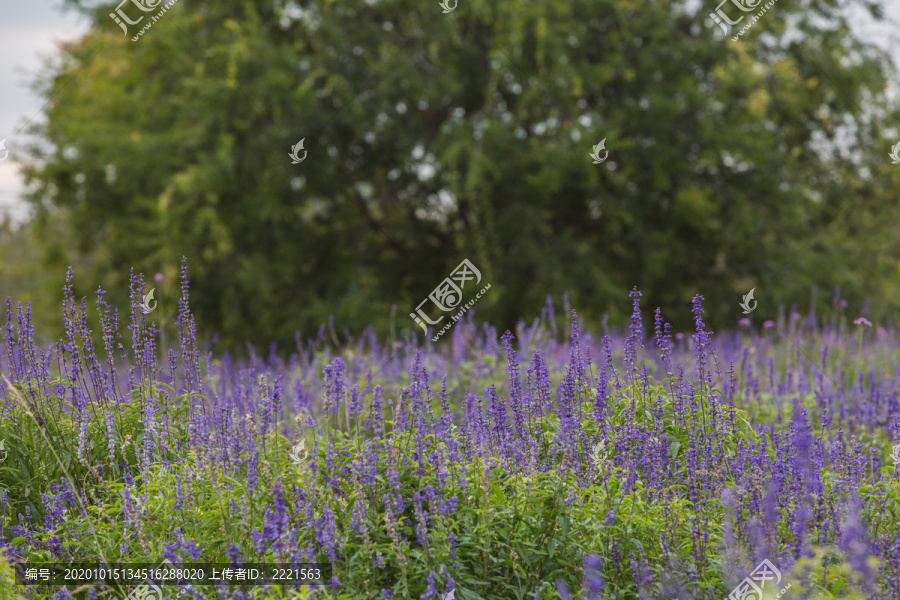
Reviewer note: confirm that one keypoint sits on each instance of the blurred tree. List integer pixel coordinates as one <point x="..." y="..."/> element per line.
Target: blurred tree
<point x="33" y="269"/>
<point x="435" y="137"/>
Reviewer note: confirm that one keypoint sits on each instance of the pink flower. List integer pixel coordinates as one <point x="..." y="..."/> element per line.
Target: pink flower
<point x="767" y="324"/>
<point x="745" y="322"/>
<point x="159" y="277"/>
<point x="843" y="304"/>
<point x="795" y="316"/>
<point x="862" y="321"/>
<point x="679" y="336"/>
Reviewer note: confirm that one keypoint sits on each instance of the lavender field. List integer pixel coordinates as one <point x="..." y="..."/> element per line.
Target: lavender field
<point x="549" y="462"/>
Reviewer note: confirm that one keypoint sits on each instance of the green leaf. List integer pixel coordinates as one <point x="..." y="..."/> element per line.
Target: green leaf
<point x="564" y="525"/>
<point x="674" y="450"/>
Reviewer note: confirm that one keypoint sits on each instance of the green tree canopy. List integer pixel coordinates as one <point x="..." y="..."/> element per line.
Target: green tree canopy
<point x="435" y="137"/>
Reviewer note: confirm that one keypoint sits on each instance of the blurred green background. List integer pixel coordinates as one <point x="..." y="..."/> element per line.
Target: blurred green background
<point x="431" y="137"/>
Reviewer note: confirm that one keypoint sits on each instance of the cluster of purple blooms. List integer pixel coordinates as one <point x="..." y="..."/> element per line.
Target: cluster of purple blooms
<point x="773" y="441"/>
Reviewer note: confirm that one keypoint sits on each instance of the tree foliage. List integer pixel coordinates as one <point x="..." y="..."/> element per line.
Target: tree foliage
<point x="435" y="137"/>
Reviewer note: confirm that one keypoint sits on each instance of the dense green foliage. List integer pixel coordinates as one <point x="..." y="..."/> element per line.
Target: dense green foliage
<point x="434" y="137"/>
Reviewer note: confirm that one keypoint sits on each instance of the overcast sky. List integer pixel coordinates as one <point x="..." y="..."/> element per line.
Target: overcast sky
<point x="29" y="30"/>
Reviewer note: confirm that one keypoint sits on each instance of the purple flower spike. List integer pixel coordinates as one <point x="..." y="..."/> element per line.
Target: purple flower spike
<point x="853" y="542"/>
<point x="563" y="590"/>
<point x="593" y="580"/>
<point x="634" y="341"/>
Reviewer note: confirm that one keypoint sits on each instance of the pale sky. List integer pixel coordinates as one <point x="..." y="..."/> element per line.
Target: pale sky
<point x="29" y="30"/>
